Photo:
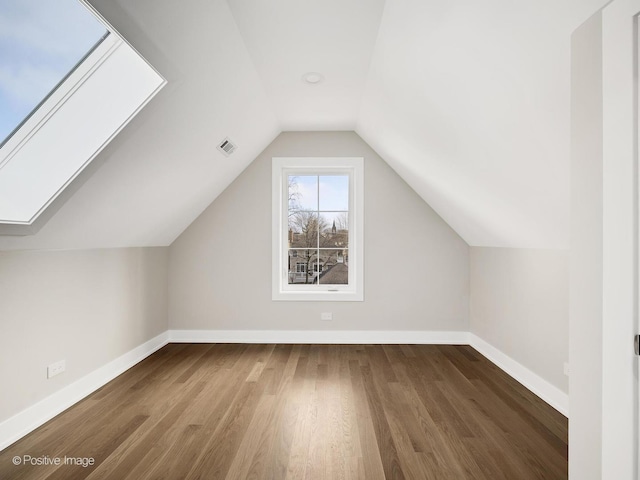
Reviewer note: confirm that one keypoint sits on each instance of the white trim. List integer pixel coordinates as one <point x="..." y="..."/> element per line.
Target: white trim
<point x="21" y="424"/>
<point x="357" y="337"/>
<point x="532" y="381"/>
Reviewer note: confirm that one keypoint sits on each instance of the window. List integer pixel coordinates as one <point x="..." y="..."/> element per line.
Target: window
<point x="41" y="43"/>
<point x="85" y="83"/>
<point x="317" y="229"/>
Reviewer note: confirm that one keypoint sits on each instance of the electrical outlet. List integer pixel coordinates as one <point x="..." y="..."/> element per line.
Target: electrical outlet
<point x="566" y="368"/>
<point x="326" y="316"/>
<point x="56" y="368"/>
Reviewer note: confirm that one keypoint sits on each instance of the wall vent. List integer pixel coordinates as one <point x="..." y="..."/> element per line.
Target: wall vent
<point x="227" y="147"/>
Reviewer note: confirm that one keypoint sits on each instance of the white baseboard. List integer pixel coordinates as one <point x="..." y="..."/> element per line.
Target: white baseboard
<point x="538" y="385"/>
<point x="319" y="336"/>
<point x="28" y="420"/>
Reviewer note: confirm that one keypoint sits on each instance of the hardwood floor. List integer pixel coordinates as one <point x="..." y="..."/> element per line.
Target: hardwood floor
<point x="302" y="411"/>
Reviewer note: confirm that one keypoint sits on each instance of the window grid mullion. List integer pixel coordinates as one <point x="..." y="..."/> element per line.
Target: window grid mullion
<point x="318" y="225"/>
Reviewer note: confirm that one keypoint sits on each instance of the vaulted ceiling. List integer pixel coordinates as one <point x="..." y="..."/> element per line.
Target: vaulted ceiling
<point x="468" y="101"/>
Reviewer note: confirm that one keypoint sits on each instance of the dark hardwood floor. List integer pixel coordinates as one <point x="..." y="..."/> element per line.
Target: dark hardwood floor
<point x="302" y="411"/>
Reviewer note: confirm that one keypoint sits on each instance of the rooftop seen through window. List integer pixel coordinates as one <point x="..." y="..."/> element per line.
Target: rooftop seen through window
<point x="40" y="44"/>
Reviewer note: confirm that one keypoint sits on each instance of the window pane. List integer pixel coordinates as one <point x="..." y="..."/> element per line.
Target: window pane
<point x="334" y="229"/>
<point x="334" y="192"/>
<point x="303" y="230"/>
<point x="303" y="266"/>
<point x="40" y="43"/>
<point x="334" y="265"/>
<point x="303" y="192"/>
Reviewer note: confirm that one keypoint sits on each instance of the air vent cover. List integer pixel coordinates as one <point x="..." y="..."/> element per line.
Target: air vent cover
<point x="227" y="147"/>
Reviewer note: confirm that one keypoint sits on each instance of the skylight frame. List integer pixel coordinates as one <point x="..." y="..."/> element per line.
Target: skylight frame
<point x="130" y="81"/>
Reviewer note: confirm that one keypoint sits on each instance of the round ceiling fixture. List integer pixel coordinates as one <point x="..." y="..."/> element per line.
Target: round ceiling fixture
<point x="313" y="78"/>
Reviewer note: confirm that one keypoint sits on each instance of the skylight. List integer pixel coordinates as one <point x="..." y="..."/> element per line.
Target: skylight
<point x="68" y="85"/>
<point x="40" y="44"/>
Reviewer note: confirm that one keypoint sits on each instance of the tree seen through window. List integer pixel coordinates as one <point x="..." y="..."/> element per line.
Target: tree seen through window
<point x="318" y="243"/>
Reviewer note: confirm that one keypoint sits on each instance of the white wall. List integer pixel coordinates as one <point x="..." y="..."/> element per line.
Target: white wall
<point x="87" y="307"/>
<point x="415" y="268"/>
<point x="586" y="261"/>
<point x="520" y="305"/>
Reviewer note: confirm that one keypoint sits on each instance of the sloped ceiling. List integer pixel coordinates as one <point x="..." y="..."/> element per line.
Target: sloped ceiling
<point x="468" y="101"/>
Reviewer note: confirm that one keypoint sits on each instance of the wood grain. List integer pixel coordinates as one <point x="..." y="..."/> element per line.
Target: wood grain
<point x="228" y="411"/>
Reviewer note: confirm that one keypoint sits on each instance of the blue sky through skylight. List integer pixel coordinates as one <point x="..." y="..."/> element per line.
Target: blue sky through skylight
<point x="40" y="43"/>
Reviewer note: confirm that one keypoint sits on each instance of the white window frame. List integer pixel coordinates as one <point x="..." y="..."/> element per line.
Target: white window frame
<point x="282" y="167"/>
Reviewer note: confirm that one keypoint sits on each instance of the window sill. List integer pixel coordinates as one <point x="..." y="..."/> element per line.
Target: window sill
<point x="320" y="296"/>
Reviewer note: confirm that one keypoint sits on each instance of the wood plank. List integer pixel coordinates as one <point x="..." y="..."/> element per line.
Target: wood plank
<point x="304" y="411"/>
